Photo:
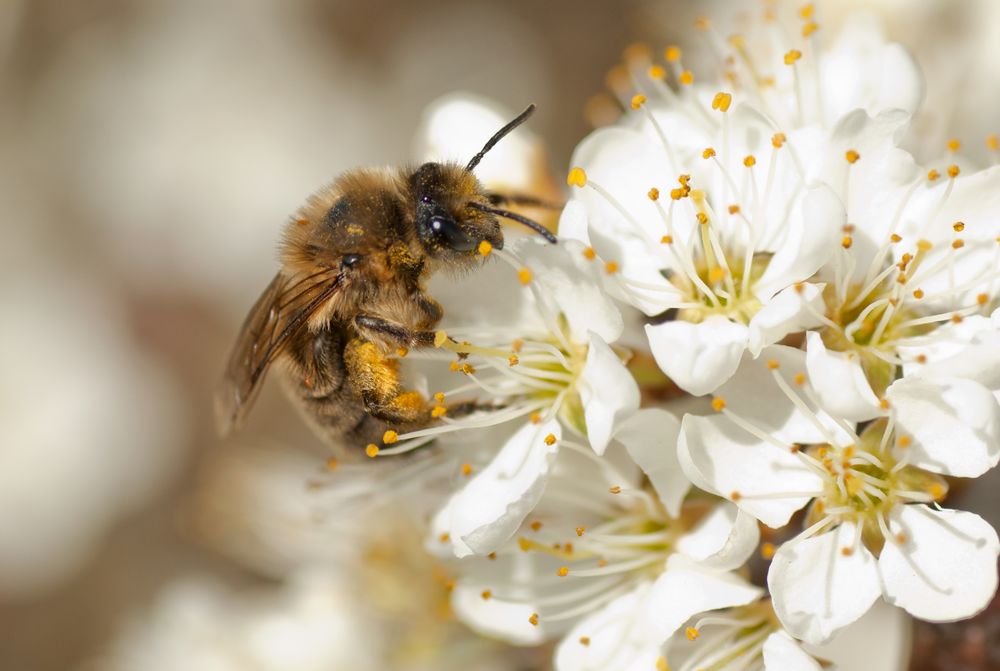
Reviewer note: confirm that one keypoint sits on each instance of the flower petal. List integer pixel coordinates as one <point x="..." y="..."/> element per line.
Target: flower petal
<point x="698" y="357"/>
<point x="650" y="436"/>
<point x="787" y="312"/>
<point x="880" y="639"/>
<point x="686" y="589"/>
<point x="810" y="241"/>
<point x="946" y="567"/>
<point x="818" y="588"/>
<point x="720" y="457"/>
<point x="840" y="382"/>
<point x="724" y="539"/>
<point x="608" y="391"/>
<point x="954" y="424"/>
<point x="783" y="653"/>
<point x="490" y="508"/>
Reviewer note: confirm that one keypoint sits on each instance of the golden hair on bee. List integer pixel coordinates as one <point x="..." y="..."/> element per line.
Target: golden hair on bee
<point x="351" y="293"/>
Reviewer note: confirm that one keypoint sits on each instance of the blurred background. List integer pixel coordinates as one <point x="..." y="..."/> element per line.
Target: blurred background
<point x="150" y="151"/>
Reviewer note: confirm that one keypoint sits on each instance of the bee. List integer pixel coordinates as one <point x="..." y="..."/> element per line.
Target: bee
<point x="350" y="296"/>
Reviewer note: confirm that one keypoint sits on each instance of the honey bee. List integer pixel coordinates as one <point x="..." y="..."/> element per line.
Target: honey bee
<point x="350" y="296"/>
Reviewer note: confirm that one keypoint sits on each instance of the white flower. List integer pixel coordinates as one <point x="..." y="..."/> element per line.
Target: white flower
<point x="603" y="557"/>
<point x="873" y="525"/>
<point x="751" y="216"/>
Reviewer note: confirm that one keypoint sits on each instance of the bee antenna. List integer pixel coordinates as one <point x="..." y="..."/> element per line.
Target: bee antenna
<point x="499" y="135"/>
<point x="530" y="223"/>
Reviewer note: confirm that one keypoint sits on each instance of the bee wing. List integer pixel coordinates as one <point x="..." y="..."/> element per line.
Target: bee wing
<point x="281" y="311"/>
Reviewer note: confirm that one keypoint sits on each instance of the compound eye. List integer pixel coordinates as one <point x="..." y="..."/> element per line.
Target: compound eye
<point x="349" y="261"/>
<point x="448" y="233"/>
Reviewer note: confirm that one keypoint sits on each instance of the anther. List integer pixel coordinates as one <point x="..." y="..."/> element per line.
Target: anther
<point x="735" y="496"/>
<point x="924" y="245"/>
<point x="401" y="352"/>
<point x="390" y="437"/>
<point x="953" y="171"/>
<point x="653" y="194"/>
<point x="773" y="364"/>
<point x="846" y="242"/>
<point x="577" y="177"/>
<point x="895" y="238"/>
<point x="536" y="525"/>
<point x="691" y="633"/>
<point x="485" y="248"/>
<point x="932" y="175"/>
<point x="466" y="469"/>
<point x="792" y="56"/>
<point x="767" y="551"/>
<point x="958" y="244"/>
<point x="615" y="490"/>
<point x="799" y="379"/>
<point x="958" y="226"/>
<point x="550" y="439"/>
<point x="957" y="319"/>
<point x="445" y="537"/>
<point x="486" y="594"/>
<point x="332" y="464"/>
<point x="656" y="72"/>
<point x="992" y="142"/>
<point x="524" y="275"/>
<point x="722" y="101"/>
<point x="806" y="11"/>
<point x="661" y="664"/>
<point x="982" y="299"/>
<point x="672" y="54"/>
<point x="686" y="78"/>
<point x="847" y="551"/>
<point x="513" y="360"/>
<point x="750" y="161"/>
<point x="439" y="411"/>
<point x="584" y="641"/>
<point x="734" y="209"/>
<point x="702" y="218"/>
<point x="492" y="556"/>
<point x="883" y="403"/>
<point x="708" y="153"/>
<point x="954" y="145"/>
<point x="563" y="571"/>
<point x="921" y="358"/>
<point x="589" y="253"/>
<point x="702" y="23"/>
<point x="638" y="100"/>
<point x="900" y="539"/>
<point x="904" y="441"/>
<point x="778" y="140"/>
<point x="580" y="530"/>
<point x="809" y="28"/>
<point x="667" y="239"/>
<point x="852" y="156"/>
<point x="718" y="403"/>
<point x="611" y="267"/>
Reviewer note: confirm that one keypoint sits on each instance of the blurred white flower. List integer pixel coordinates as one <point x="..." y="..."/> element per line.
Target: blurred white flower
<point x="873" y="527"/>
<point x="90" y="429"/>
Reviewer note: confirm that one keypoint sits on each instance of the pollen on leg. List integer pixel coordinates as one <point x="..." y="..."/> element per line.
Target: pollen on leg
<point x="485" y="248"/>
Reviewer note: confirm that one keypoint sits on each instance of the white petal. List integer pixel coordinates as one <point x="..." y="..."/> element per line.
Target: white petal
<point x="573" y="222"/>
<point x="817" y="589"/>
<point x="497" y="616"/>
<point x="946" y="568"/>
<point x="490" y="508"/>
<point x="810" y="241"/>
<point x="788" y="312"/>
<point x="686" y="589"/>
<point x="724" y="539"/>
<point x="720" y="457"/>
<point x="880" y="639"/>
<point x="608" y="391"/>
<point x="571" y="286"/>
<point x="650" y="436"/>
<point x="840" y="382"/>
<point x="783" y="653"/>
<point x="698" y="357"/>
<point x="954" y="424"/>
<point x="614" y="642"/>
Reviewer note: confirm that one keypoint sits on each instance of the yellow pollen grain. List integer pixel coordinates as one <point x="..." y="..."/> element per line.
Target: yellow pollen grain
<point x="656" y="72"/>
<point x="895" y="238"/>
<point x="708" y="153"/>
<point x="734" y="209"/>
<point x="958" y="226"/>
<point x="718" y="403"/>
<point x="983" y="299"/>
<point x="580" y="530"/>
<point x="466" y="469"/>
<point x="390" y="437"/>
<point x="792" y="56"/>
<point x="702" y="218"/>
<point x="513" y="360"/>
<point x="691" y="633"/>
<point x="445" y="537"/>
<point x="439" y="397"/>
<point x="589" y="253"/>
<point x="453" y="366"/>
<point x="563" y="571"/>
<point x="492" y="556"/>
<point x="954" y="145"/>
<point x="735" y="496"/>
<point x="750" y="161"/>
<point x="439" y="411"/>
<point x="615" y="490"/>
<point x="847" y="551"/>
<point x="372" y="450"/>
<point x="524" y="275"/>
<point x="486" y="594"/>
<point x="904" y="441"/>
<point x="953" y="171"/>
<point x="653" y="194"/>
<point x="846" y="242"/>
<point x="672" y="53"/>
<point x="992" y="142"/>
<point x="584" y="641"/>
<point x="611" y="267"/>
<point x="535" y="418"/>
<point x="809" y="28"/>
<point x="852" y="156"/>
<point x="773" y="364"/>
<point x="921" y="358"/>
<point x="958" y="244"/>
<point x="577" y="177"/>
<point x="667" y="239"/>
<point x="806" y="11"/>
<point x="638" y="100"/>
<point x="468" y="369"/>
<point x="884" y="403"/>
<point x="536" y="525"/>
<point x="767" y="551"/>
<point x="957" y="319"/>
<point x="550" y="439"/>
<point x="799" y="379"/>
<point x="722" y="101"/>
<point x="485" y="248"/>
<point x="778" y="140"/>
<point x="686" y="78"/>
<point x="332" y="464"/>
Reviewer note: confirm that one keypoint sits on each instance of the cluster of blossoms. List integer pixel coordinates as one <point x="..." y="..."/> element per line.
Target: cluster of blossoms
<point x="758" y="240"/>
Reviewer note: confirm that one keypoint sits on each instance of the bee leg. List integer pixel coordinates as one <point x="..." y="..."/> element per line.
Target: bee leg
<point x="376" y="378"/>
<point x="521" y="199"/>
<point x="399" y="334"/>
